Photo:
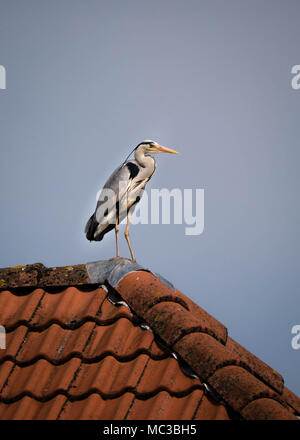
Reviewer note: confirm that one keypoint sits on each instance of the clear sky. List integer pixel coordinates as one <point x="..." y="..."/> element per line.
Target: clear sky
<point x="88" y="80"/>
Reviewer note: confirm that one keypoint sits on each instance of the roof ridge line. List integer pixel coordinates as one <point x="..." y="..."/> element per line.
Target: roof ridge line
<point x="175" y="326"/>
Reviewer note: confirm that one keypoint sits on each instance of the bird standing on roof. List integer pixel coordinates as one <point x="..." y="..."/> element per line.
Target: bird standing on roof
<point x="122" y="192"/>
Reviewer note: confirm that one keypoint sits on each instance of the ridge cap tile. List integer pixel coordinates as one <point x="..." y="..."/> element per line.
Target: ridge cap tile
<point x="143" y="299"/>
<point x="266" y="409"/>
<point x="292" y="399"/>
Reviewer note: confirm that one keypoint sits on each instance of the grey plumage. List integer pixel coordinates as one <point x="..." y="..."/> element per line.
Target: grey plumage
<point x="127" y="183"/>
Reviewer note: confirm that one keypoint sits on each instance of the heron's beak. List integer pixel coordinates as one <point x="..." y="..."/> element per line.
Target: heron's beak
<point x="161" y="149"/>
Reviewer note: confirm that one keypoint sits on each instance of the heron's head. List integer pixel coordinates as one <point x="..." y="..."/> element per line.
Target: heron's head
<point x="152" y="147"/>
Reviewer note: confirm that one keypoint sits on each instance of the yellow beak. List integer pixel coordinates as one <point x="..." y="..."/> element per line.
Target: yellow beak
<point x="161" y="149"/>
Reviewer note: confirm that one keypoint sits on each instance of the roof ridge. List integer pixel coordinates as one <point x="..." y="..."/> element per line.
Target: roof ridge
<point x="207" y="355"/>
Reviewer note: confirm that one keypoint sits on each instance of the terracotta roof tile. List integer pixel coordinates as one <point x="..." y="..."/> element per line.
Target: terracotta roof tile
<point x="164" y="374"/>
<point x="255" y="365"/>
<point x="143" y="291"/>
<point x="291" y="399"/>
<point x="163" y="406"/>
<point x="109" y="312"/>
<point x="63" y="307"/>
<point x="171" y="321"/>
<point x="209" y="324"/>
<point x="40" y="380"/>
<point x="109" y="376"/>
<point x="14" y="340"/>
<point x="5" y="370"/>
<point x="94" y="407"/>
<point x="16" y="309"/>
<point x="202" y="351"/>
<point x="76" y="351"/>
<point x="109" y="339"/>
<point x="54" y="344"/>
<point x="210" y="409"/>
<point x="266" y="409"/>
<point x="237" y="386"/>
<point x="29" y="408"/>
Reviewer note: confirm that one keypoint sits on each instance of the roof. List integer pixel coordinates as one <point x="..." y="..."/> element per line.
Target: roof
<point x="112" y="340"/>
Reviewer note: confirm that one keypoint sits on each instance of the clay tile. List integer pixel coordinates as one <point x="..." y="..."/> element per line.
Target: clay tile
<point x="165" y="374"/>
<point x="54" y="343"/>
<point x="255" y="365"/>
<point x="40" y="379"/>
<point x="208" y="321"/>
<point x="171" y="321"/>
<point x="163" y="406"/>
<point x="14" y="341"/>
<point x="6" y="370"/>
<point x="69" y="307"/>
<point x="27" y="408"/>
<point x="141" y="290"/>
<point x="237" y="386"/>
<point x="96" y="408"/>
<point x="157" y="351"/>
<point x="72" y="343"/>
<point x="266" y="409"/>
<point x="211" y="410"/>
<point x="109" y="312"/>
<point x="203" y="353"/>
<point x="16" y="309"/>
<point x="108" y="376"/>
<point x="291" y="399"/>
<point x="120" y="339"/>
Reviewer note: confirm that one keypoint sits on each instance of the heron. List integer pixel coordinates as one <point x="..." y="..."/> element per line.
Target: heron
<point x="122" y="191"/>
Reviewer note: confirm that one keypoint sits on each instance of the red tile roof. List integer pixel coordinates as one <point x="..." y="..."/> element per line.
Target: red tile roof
<point x="111" y="340"/>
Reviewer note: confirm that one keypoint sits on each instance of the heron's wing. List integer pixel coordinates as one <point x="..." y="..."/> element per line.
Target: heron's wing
<point x="126" y="184"/>
<point x="119" y="182"/>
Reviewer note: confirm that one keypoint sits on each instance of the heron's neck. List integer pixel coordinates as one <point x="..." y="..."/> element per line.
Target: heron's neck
<point x="142" y="160"/>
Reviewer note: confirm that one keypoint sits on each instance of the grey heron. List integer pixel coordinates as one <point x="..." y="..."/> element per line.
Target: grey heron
<point x="126" y="185"/>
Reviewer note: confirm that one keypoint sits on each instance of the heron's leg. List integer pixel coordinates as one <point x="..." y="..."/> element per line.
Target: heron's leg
<point x="117" y="236"/>
<point x="126" y="233"/>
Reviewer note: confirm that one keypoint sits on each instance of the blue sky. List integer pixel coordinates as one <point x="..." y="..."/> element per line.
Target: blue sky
<point x="88" y="80"/>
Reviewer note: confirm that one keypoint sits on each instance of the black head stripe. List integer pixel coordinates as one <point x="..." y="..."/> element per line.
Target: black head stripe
<point x="145" y="143"/>
<point x="141" y="143"/>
